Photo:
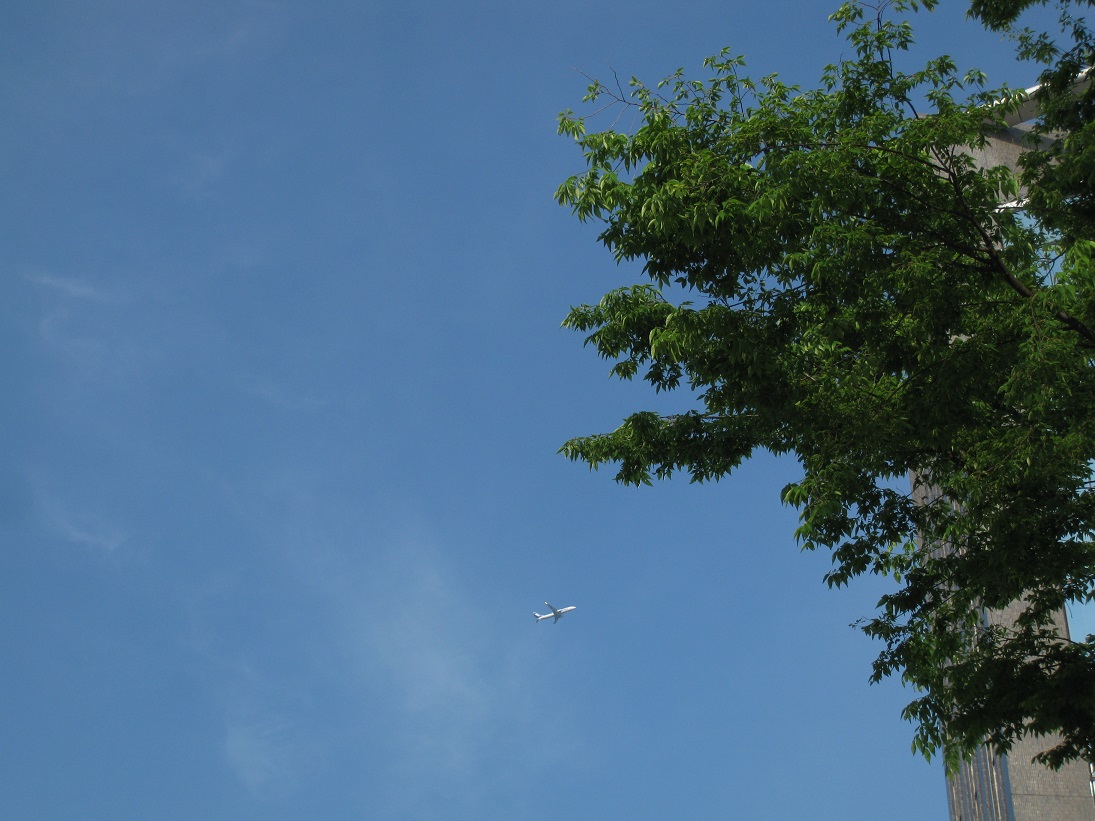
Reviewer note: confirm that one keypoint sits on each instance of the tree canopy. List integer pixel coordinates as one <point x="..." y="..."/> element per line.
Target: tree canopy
<point x="860" y="293"/>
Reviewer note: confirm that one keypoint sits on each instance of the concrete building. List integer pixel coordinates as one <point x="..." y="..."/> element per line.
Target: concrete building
<point x="1013" y="787"/>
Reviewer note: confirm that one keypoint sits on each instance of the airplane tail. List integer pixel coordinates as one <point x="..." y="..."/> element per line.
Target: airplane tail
<point x="537" y="615"/>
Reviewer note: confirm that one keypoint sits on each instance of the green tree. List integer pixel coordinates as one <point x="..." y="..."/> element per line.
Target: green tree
<point x="857" y="296"/>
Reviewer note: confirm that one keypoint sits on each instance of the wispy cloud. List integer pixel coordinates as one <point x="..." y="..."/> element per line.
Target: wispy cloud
<point x="262" y="752"/>
<point x="93" y="533"/>
<point x="417" y="628"/>
<point x="72" y="288"/>
<point x="457" y="685"/>
<point x="268" y="740"/>
<point x="57" y="331"/>
<point x="197" y="174"/>
<point x="282" y="396"/>
<point x="403" y="668"/>
<point x="92" y="327"/>
<point x="71" y="301"/>
<point x="78" y="524"/>
<point x="253" y="750"/>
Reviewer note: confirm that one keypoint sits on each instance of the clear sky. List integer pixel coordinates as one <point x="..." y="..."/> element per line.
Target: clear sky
<point x="284" y="384"/>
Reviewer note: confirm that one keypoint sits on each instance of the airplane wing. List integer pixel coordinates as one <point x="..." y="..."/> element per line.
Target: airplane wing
<point x="553" y="610"/>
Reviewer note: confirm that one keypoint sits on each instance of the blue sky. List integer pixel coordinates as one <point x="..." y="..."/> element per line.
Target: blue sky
<point x="281" y="293"/>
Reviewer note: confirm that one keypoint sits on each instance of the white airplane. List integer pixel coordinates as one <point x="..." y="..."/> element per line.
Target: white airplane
<point x="554" y="614"/>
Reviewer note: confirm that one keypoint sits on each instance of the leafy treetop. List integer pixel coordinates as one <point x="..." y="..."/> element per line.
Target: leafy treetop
<point x="860" y="299"/>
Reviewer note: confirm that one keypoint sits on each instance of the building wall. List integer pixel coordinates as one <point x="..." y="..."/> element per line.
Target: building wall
<point x="1039" y="793"/>
<point x="1013" y="787"/>
<point x="979" y="791"/>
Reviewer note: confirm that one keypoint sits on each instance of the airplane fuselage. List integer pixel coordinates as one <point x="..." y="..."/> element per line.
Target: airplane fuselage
<point x="555" y="615"/>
